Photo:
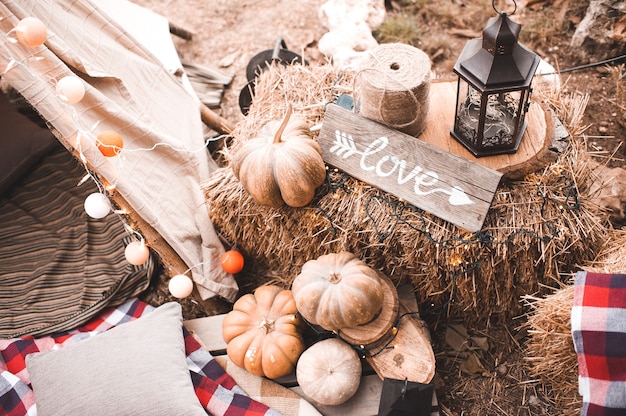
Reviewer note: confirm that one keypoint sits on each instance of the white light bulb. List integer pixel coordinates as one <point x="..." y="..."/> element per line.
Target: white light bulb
<point x="97" y="205"/>
<point x="180" y="286"/>
<point x="71" y="89"/>
<point x="137" y="253"/>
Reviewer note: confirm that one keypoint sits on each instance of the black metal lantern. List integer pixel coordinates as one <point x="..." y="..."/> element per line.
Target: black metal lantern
<point x="495" y="75"/>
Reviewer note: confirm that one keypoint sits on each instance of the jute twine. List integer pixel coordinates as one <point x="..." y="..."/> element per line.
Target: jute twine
<point x="393" y="84"/>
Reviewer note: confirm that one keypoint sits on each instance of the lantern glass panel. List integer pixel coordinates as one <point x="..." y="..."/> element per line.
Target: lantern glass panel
<point x="501" y="116"/>
<point x="467" y="113"/>
<point x="489" y="121"/>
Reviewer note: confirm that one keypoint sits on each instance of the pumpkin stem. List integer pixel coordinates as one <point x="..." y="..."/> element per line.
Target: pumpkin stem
<point x="279" y="133"/>
<point x="267" y="325"/>
<point x="334" y="277"/>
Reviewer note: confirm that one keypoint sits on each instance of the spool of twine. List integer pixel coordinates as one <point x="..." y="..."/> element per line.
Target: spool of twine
<point x="393" y="84"/>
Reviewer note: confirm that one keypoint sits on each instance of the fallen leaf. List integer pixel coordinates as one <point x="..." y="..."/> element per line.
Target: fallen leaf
<point x="481" y="342"/>
<point x="472" y="365"/>
<point x="457" y="337"/>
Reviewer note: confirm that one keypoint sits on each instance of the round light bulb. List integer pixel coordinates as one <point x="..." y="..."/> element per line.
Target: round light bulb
<point x="97" y="205"/>
<point x="137" y="253"/>
<point x="71" y="89"/>
<point x="110" y="143"/>
<point x="31" y="31"/>
<point x="180" y="286"/>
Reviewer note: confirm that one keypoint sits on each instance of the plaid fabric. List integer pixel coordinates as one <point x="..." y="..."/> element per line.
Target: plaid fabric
<point x="216" y="390"/>
<point x="267" y="391"/>
<point x="599" y="334"/>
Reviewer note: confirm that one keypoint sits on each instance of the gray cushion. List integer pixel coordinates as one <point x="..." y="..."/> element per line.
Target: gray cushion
<point x="137" y="368"/>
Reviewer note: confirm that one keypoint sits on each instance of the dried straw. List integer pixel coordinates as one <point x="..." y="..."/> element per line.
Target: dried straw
<point x="550" y="352"/>
<point x="537" y="227"/>
<point x="611" y="256"/>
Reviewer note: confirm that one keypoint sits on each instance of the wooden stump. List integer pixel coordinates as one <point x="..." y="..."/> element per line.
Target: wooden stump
<point x="534" y="151"/>
<point x="409" y="354"/>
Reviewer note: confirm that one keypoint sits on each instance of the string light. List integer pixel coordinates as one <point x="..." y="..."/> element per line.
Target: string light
<point x="31" y="32"/>
<point x="70" y="89"/>
<point x="97" y="205"/>
<point x="180" y="286"/>
<point x="137" y="253"/>
<point x="461" y="264"/>
<point x="110" y="143"/>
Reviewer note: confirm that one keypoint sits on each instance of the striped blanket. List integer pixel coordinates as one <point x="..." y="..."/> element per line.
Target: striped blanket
<point x="59" y="267"/>
<point x="599" y="333"/>
<point x="217" y="391"/>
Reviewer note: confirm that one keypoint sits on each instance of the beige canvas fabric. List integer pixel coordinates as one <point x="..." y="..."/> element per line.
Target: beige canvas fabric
<point x="164" y="160"/>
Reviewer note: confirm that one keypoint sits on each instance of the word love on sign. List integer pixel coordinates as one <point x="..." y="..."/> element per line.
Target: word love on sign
<point x="453" y="188"/>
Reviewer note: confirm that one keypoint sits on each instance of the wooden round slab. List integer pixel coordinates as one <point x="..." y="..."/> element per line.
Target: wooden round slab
<point x="534" y="151"/>
<point x="374" y="330"/>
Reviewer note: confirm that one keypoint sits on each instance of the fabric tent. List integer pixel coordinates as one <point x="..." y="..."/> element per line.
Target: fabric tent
<point x="159" y="172"/>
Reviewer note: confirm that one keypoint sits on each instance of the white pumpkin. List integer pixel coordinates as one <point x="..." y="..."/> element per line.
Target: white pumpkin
<point x="329" y="372"/>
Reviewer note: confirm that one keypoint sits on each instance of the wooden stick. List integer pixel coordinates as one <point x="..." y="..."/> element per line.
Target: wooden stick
<point x="180" y="32"/>
<point x="214" y="121"/>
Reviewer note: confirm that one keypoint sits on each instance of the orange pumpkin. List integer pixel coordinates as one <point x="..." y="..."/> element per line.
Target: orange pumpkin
<point x="263" y="332"/>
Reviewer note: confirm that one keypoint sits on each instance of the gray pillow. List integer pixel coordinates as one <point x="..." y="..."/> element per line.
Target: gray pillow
<point x="137" y="368"/>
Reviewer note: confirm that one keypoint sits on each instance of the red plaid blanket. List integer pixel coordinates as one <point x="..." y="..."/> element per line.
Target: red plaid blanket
<point x="217" y="391"/>
<point x="599" y="334"/>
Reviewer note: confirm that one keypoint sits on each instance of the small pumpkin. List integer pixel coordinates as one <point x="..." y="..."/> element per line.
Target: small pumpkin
<point x="338" y="290"/>
<point x="263" y="332"/>
<point x="329" y="372"/>
<point x="281" y="166"/>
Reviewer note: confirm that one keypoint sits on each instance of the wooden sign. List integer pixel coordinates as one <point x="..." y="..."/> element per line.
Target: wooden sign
<point x="453" y="188"/>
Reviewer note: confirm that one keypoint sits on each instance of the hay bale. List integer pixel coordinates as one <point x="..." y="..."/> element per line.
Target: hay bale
<point x="537" y="227"/>
<point x="611" y="257"/>
<point x="550" y="351"/>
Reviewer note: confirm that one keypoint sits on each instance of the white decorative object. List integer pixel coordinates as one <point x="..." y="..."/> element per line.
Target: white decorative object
<point x="329" y="372"/>
<point x="180" y="286"/>
<point x="71" y="89"/>
<point x="350" y="24"/>
<point x="97" y="205"/>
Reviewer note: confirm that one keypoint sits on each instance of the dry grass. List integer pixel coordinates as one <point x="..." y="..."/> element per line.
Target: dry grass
<point x="399" y="28"/>
<point x="550" y="352"/>
<point x="612" y="256"/>
<point x="618" y="77"/>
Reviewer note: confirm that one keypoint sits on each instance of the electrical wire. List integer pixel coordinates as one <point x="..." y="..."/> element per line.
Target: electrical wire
<point x="586" y="66"/>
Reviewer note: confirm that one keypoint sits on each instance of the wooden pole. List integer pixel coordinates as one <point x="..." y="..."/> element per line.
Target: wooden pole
<point x="214" y="121"/>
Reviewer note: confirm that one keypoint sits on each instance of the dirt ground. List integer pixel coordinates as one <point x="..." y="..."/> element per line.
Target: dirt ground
<point x="228" y="33"/>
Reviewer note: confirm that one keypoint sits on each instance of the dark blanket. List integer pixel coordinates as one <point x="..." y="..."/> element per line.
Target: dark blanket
<point x="58" y="266"/>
